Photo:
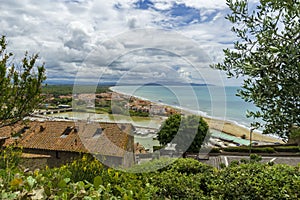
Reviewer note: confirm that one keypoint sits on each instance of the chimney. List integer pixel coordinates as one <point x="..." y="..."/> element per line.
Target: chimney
<point x="42" y="128"/>
<point x="123" y="127"/>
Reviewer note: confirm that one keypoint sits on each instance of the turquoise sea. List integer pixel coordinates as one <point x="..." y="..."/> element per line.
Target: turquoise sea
<point x="213" y="101"/>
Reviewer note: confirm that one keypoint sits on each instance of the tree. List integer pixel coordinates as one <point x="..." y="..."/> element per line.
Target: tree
<point x="20" y="86"/>
<point x="188" y="133"/>
<point x="266" y="55"/>
<point x="294" y="137"/>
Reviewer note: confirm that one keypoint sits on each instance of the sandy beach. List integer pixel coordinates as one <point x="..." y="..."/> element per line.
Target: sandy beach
<point x="227" y="127"/>
<point x="238" y="131"/>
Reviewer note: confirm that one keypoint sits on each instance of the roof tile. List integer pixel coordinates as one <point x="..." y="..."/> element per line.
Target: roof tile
<point x="78" y="137"/>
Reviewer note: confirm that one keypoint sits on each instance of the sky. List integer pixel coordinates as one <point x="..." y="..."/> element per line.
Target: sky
<point x="121" y="41"/>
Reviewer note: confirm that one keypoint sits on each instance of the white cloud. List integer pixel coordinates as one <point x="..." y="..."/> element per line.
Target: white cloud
<point x="216" y="4"/>
<point x="68" y="34"/>
<point x="163" y="5"/>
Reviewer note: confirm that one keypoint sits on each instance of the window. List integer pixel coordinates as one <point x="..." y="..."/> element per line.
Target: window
<point x="66" y="132"/>
<point x="98" y="132"/>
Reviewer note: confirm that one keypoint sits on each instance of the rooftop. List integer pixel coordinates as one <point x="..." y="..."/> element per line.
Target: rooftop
<point x="104" y="138"/>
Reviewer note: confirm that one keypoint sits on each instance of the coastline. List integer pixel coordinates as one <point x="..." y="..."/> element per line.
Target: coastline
<point x="237" y="130"/>
<point x="225" y="126"/>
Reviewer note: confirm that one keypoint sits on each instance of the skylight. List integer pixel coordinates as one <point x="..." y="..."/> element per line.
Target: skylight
<point x="98" y="132"/>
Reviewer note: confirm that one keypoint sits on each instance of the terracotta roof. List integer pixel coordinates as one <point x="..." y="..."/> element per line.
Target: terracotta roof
<point x="103" y="138"/>
<point x="8" y="131"/>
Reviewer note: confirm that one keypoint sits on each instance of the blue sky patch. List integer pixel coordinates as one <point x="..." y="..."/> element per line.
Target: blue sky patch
<point x="184" y="11"/>
<point x="176" y="16"/>
<point x="143" y="4"/>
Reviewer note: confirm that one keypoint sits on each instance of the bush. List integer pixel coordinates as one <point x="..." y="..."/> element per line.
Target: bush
<point x="222" y="165"/>
<point x="85" y="168"/>
<point x="244" y="161"/>
<point x="10" y="157"/>
<point x="159" y="165"/>
<point x="234" y="163"/>
<point x="174" y="185"/>
<point x="255" y="158"/>
<point x="257" y="181"/>
<point x="295" y="133"/>
<point x="247" y="149"/>
<point x="215" y="150"/>
<point x="138" y="113"/>
<point x="155" y="148"/>
<point x="294" y="149"/>
<point x="236" y="149"/>
<point x="177" y="179"/>
<point x="189" y="166"/>
<point x="263" y="150"/>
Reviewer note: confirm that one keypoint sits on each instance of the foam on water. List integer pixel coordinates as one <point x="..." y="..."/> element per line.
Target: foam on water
<point x="200" y="100"/>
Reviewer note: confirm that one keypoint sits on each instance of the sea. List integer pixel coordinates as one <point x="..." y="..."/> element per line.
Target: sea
<point x="208" y="101"/>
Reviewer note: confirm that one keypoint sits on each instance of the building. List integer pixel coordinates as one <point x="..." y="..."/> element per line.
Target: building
<point x="57" y="142"/>
<point x="63" y="106"/>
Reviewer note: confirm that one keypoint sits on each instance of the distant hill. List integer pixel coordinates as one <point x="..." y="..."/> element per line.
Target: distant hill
<point x="166" y="84"/>
<point x="71" y="82"/>
<point x="128" y="84"/>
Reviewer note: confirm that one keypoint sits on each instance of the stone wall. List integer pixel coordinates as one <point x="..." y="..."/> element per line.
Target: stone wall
<point x="129" y="156"/>
<point x="50" y="159"/>
<point x="34" y="163"/>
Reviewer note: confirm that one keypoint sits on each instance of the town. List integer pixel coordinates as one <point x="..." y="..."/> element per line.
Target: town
<point x="149" y="99"/>
<point x="49" y="138"/>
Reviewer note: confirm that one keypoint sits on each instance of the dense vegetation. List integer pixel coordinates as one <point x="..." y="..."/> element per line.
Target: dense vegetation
<point x="266" y="54"/>
<point x="275" y="149"/>
<point x="20" y="85"/>
<point x="183" y="179"/>
<point x="58" y="90"/>
<point x="187" y="132"/>
<point x="295" y="134"/>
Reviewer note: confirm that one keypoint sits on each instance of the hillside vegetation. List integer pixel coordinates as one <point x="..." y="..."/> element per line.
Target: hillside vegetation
<point x="183" y="179"/>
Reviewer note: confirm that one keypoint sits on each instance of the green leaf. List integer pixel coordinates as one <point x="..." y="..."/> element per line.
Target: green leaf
<point x="98" y="181"/>
<point x="31" y="181"/>
<point x="62" y="184"/>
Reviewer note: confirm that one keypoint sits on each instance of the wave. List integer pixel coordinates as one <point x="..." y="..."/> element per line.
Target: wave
<point x="188" y="110"/>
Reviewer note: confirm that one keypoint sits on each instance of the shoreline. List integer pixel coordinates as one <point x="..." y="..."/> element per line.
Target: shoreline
<point x="225" y="126"/>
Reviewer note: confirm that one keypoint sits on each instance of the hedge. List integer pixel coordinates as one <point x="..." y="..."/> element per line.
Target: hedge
<point x="247" y="149"/>
<point x="287" y="149"/>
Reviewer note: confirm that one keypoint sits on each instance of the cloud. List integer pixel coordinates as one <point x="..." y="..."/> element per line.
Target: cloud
<point x="88" y="35"/>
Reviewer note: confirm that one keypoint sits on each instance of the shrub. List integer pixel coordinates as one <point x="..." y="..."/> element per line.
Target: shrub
<point x="234" y="163"/>
<point x="10" y="157"/>
<point x="255" y="158"/>
<point x="215" y="150"/>
<point x="295" y="133"/>
<point x="138" y="113"/>
<point x="257" y="181"/>
<point x="159" y="165"/>
<point x="247" y="149"/>
<point x="85" y="168"/>
<point x="222" y="165"/>
<point x="189" y="166"/>
<point x="244" y="161"/>
<point x="287" y="149"/>
<point x="174" y="185"/>
<point x="177" y="179"/>
<point x="155" y="148"/>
